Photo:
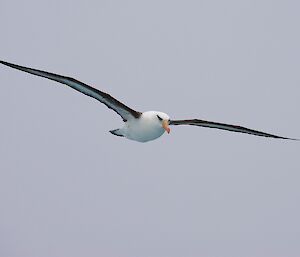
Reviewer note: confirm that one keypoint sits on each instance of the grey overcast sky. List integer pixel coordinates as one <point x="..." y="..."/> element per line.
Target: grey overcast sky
<point x="70" y="188"/>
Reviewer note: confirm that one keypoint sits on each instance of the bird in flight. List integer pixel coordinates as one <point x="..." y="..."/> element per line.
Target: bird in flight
<point x="138" y="126"/>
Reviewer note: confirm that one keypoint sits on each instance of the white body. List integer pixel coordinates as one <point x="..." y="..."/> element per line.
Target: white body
<point x="146" y="128"/>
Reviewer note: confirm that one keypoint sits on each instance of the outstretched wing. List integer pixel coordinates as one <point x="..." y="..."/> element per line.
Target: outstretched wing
<point x="124" y="111"/>
<point x="217" y="125"/>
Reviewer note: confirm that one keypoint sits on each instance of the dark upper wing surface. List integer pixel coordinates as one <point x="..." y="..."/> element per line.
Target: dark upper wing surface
<point x="217" y="125"/>
<point x="124" y="111"/>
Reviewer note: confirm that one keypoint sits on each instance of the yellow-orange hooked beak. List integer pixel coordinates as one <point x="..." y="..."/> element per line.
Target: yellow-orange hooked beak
<point x="165" y="125"/>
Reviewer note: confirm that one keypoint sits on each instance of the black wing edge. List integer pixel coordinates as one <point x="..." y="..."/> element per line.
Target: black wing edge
<point x="229" y="127"/>
<point x="61" y="79"/>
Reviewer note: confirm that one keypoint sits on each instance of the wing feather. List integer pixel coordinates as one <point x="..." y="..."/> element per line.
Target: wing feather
<point x="124" y="111"/>
<point x="229" y="127"/>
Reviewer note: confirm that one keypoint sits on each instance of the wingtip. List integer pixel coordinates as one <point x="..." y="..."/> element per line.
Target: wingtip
<point x="294" y="139"/>
<point x="288" y="138"/>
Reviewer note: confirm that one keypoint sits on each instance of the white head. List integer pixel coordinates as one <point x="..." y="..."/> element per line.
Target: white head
<point x="159" y="119"/>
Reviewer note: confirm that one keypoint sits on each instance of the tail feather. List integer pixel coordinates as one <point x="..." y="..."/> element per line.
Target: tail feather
<point x="117" y="132"/>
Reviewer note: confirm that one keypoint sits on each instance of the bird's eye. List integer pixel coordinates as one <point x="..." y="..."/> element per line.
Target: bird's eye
<point x="159" y="118"/>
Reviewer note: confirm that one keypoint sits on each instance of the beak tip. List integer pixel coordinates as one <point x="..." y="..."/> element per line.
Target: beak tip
<point x="166" y="127"/>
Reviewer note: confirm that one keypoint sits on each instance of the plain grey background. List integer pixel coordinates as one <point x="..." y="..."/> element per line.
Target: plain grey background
<point x="70" y="188"/>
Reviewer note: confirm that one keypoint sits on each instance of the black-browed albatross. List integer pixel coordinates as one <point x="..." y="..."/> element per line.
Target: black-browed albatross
<point x="138" y="126"/>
